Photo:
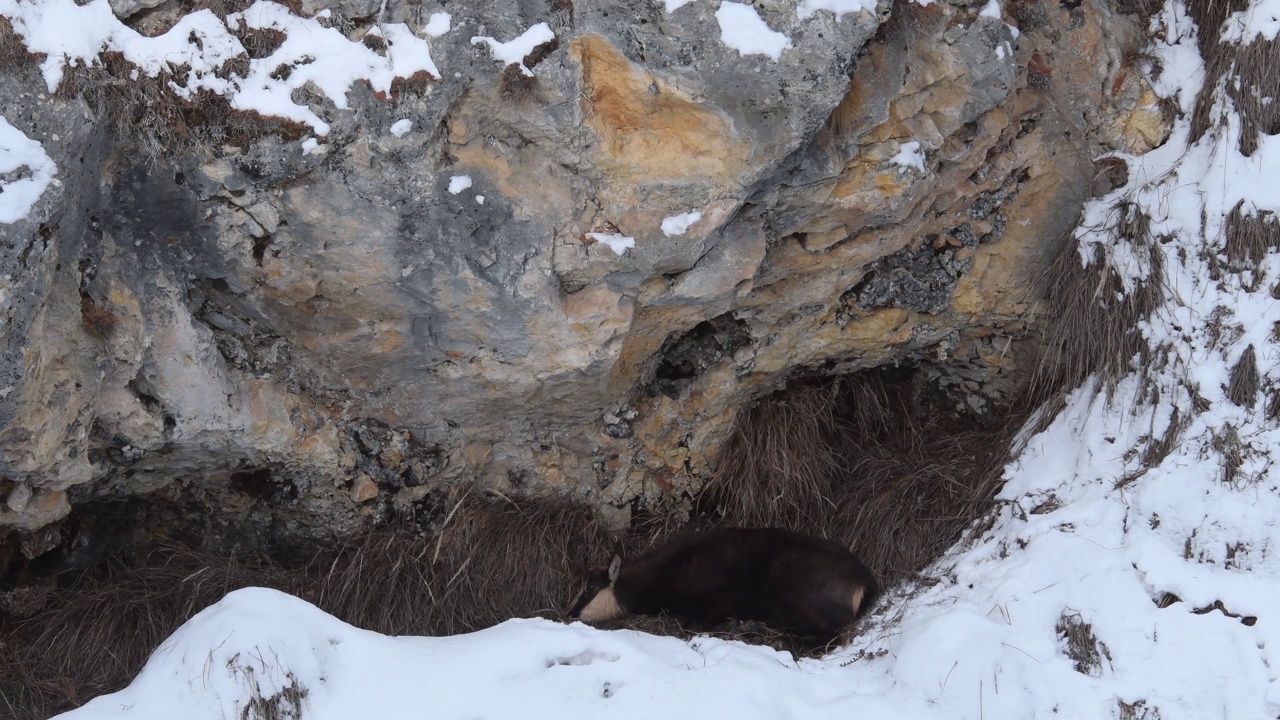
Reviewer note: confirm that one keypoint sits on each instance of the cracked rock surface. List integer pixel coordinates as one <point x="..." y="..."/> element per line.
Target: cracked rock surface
<point x="321" y="339"/>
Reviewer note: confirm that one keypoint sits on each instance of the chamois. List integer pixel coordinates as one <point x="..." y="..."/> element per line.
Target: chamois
<point x="804" y="585"/>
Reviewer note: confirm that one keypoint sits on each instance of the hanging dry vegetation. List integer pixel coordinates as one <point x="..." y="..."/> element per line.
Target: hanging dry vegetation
<point x="867" y="460"/>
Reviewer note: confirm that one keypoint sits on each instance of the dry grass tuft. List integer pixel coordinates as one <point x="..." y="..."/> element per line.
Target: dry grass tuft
<point x="1082" y="646"/>
<point x="517" y="88"/>
<point x="1246" y="72"/>
<point x="1273" y="403"/>
<point x="1227" y="442"/>
<point x="1209" y="16"/>
<point x="1243" y="386"/>
<point x="780" y="467"/>
<point x="146" y="112"/>
<point x="488" y="560"/>
<point x="13" y="50"/>
<point x="284" y="704"/>
<point x="1158" y="448"/>
<point x="1138" y="710"/>
<point x="1255" y="91"/>
<point x="861" y="461"/>
<point x="261" y="43"/>
<point x="1249" y="238"/>
<point x="415" y="85"/>
<point x="485" y="559"/>
<point x="1093" y="327"/>
<point x="98" y="629"/>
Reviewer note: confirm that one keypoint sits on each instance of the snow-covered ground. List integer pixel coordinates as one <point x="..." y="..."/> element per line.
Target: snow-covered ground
<point x="1068" y="551"/>
<point x="1115" y="581"/>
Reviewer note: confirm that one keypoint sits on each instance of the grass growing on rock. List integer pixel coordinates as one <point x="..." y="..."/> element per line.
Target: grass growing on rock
<point x="864" y="462"/>
<point x="1094" y="326"/>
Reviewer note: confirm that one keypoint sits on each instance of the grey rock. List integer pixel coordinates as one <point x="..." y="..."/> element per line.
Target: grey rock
<point x="310" y="343"/>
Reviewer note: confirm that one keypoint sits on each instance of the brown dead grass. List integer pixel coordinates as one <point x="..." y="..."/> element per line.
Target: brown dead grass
<point x="516" y="88"/>
<point x="1092" y="328"/>
<point x="1255" y="91"/>
<point x="780" y="467"/>
<point x="12" y="50"/>
<point x="147" y="113"/>
<point x="485" y="559"/>
<point x="1137" y="710"/>
<point x="1081" y="644"/>
<point x="1246" y="72"/>
<point x="98" y="629"/>
<point x="1249" y="238"/>
<point x="490" y="559"/>
<point x="1244" y="382"/>
<point x="863" y="462"/>
<point x="97" y="321"/>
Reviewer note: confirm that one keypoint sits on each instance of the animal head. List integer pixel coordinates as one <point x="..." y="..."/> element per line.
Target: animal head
<point x="597" y="602"/>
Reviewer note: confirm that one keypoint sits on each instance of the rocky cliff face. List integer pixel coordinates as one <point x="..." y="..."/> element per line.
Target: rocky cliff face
<point x="322" y="333"/>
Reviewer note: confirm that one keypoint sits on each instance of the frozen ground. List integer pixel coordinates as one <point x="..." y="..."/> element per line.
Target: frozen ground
<point x="1130" y="570"/>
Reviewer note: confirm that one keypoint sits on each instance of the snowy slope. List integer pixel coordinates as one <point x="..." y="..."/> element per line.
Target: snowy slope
<point x="1115" y="581"/>
<point x="982" y="643"/>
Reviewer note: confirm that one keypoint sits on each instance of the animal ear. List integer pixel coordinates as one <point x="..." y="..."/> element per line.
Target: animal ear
<point x="614" y="567"/>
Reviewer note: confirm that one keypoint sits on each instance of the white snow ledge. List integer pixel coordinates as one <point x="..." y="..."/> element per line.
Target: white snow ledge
<point x="17" y="151"/>
<point x="196" y="50"/>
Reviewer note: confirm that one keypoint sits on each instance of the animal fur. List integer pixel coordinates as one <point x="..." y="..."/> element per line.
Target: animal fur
<point x="797" y="583"/>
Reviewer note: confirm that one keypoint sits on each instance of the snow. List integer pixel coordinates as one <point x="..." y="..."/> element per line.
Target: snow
<point x="68" y="33"/>
<point x="617" y="242"/>
<point x="808" y="8"/>
<point x="323" y="57"/>
<point x="479" y="199"/>
<point x="438" y="24"/>
<point x="1164" y="556"/>
<point x="991" y="10"/>
<point x="742" y="29"/>
<point x="514" y="51"/>
<point x="678" y="224"/>
<point x="401" y="127"/>
<point x="458" y="183"/>
<point x="909" y="156"/>
<point x="19" y="194"/>
<point x="255" y="643"/>
<point x="199" y="45"/>
<point x="1261" y="18"/>
<point x="673" y="5"/>
<point x="311" y="146"/>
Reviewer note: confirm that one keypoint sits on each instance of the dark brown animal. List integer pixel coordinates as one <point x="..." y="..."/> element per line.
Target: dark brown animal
<point x="800" y="584"/>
